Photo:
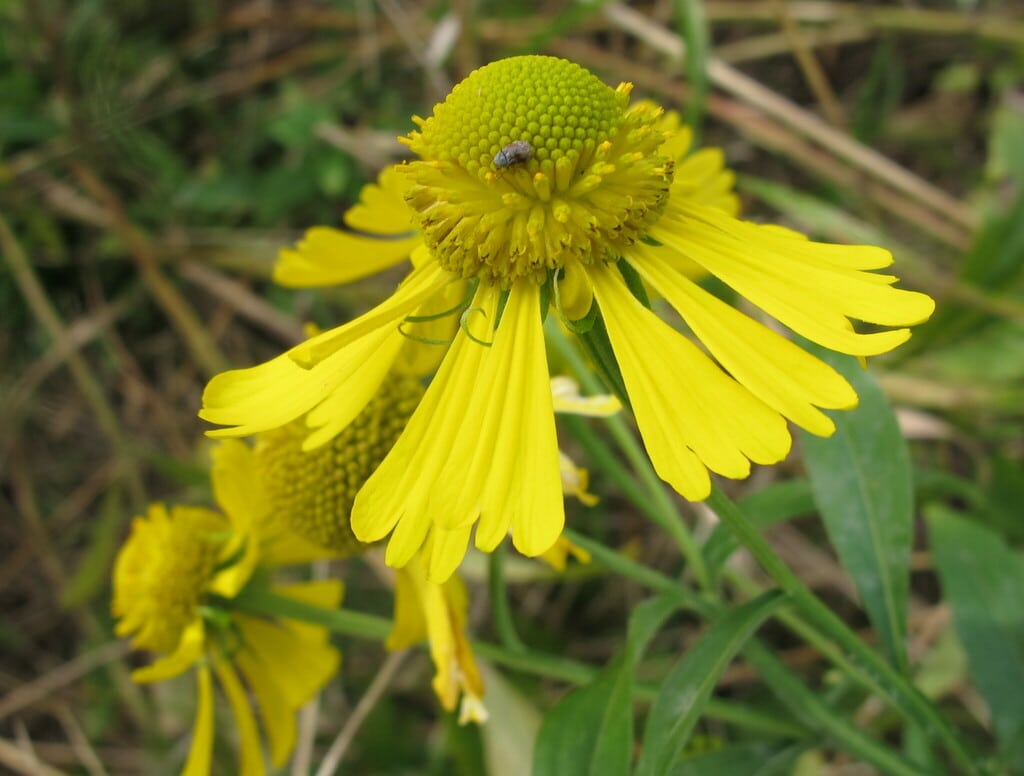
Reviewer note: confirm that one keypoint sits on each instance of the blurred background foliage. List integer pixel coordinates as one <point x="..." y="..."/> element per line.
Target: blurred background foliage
<point x="154" y="156"/>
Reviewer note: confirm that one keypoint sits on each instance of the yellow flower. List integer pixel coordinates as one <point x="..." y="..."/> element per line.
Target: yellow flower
<point x="436" y="612"/>
<point x="599" y="205"/>
<point x="312" y="491"/>
<point x="170" y="576"/>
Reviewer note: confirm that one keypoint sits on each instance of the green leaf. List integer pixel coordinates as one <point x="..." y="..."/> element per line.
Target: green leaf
<point x="693" y="28"/>
<point x="590" y="731"/>
<point x="983" y="580"/>
<point x="688" y="687"/>
<point x="746" y="759"/>
<point x="863" y="485"/>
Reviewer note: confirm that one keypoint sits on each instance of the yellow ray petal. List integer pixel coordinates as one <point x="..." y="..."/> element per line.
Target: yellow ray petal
<point x="574" y="292"/>
<point x="382" y="208"/>
<point x="566" y="398"/>
<point x="344" y="403"/>
<point x="777" y="371"/>
<point x="427" y="341"/>
<point x="810" y="287"/>
<point x="410" y="625"/>
<point x="251" y="752"/>
<point x="399" y="490"/>
<point x="447" y="549"/>
<point x="325" y="593"/>
<point x="419" y="285"/>
<point x="274" y="645"/>
<point x="690" y="413"/>
<point x="327" y="257"/>
<point x="237" y="487"/>
<point x="557" y="557"/>
<point x="575" y="480"/>
<point x="503" y="463"/>
<point x="189" y="650"/>
<point x="276" y="392"/>
<point x="482" y="439"/>
<point x="200" y="755"/>
<point x="276" y="714"/>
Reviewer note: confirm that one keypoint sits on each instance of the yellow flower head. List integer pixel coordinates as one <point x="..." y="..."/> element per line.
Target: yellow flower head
<point x="163" y="571"/>
<point x="170" y="579"/>
<point x="312" y="491"/>
<point x="592" y="186"/>
<point x="538" y="186"/>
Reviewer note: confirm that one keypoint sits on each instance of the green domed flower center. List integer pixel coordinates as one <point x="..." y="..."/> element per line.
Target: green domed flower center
<point x="162" y="572"/>
<point x="312" y="492"/>
<point x="532" y="162"/>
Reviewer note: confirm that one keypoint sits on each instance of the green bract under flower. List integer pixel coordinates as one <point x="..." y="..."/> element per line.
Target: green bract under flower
<point x="593" y="185"/>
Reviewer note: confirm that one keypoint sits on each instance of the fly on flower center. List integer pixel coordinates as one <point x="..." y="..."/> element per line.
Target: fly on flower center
<point x="533" y="162"/>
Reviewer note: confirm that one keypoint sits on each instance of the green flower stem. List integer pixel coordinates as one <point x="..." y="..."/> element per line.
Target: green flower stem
<point x="499" y="601"/>
<point x="896" y="688"/>
<point x="261" y="601"/>
<point x="658" y="505"/>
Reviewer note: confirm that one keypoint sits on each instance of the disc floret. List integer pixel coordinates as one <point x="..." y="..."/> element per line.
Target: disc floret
<point x="593" y="184"/>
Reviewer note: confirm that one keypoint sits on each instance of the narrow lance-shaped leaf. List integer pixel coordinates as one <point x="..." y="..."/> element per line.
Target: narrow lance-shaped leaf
<point x="687" y="689"/>
<point x="983" y="580"/>
<point x="862" y="482"/>
<point x="590" y="731"/>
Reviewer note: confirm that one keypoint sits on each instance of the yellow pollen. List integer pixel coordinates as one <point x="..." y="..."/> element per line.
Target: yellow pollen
<point x="312" y="492"/>
<point x="592" y="185"/>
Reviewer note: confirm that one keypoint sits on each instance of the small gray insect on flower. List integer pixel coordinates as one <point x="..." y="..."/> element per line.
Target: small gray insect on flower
<point x="517" y="152"/>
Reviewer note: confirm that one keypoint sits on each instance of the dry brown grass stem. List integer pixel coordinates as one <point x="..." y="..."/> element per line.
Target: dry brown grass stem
<point x="750" y="92"/>
<point x="42" y="308"/>
<point x="42" y="688"/>
<point x="996" y="27"/>
<point x="19" y="761"/>
<point x="178" y="311"/>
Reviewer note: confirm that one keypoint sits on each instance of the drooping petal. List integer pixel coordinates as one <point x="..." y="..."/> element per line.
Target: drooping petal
<point x="575" y="480"/>
<point x="273" y="644"/>
<point x="575" y="296"/>
<point x="437" y="612"/>
<point x="200" y="754"/>
<point x="508" y="440"/>
<point x="381" y="208"/>
<point x="430" y="331"/>
<point x="702" y="177"/>
<point x="482" y="442"/>
<point x="395" y="495"/>
<point x="780" y="373"/>
<point x="250" y="749"/>
<point x="566" y="398"/>
<point x="812" y="288"/>
<point x="410" y="624"/>
<point x="327" y="257"/>
<point x="354" y="357"/>
<point x="447" y="550"/>
<point x="277" y="716"/>
<point x="189" y="651"/>
<point x="287" y="662"/>
<point x="557" y="557"/>
<point x="691" y="415"/>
